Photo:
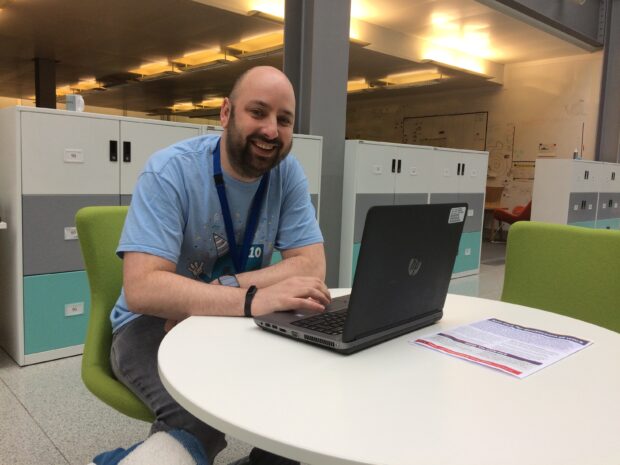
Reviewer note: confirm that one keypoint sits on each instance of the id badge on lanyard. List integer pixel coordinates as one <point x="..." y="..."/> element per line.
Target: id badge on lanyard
<point x="239" y="257"/>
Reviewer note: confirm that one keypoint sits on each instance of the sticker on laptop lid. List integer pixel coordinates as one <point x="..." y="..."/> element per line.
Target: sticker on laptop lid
<point x="457" y="215"/>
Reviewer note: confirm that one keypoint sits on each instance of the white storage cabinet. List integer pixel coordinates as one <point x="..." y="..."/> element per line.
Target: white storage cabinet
<point x="378" y="173"/>
<point x="52" y="163"/>
<point x="577" y="192"/>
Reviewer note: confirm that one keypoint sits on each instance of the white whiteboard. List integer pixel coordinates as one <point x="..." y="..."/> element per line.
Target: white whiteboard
<point x="459" y="131"/>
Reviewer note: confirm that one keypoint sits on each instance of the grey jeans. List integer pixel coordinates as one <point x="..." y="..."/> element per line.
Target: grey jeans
<point x="134" y="362"/>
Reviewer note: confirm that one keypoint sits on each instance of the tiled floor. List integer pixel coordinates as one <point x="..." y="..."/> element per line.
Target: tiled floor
<point x="47" y="417"/>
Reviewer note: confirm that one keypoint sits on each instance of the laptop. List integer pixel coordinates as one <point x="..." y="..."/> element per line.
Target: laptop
<point x="401" y="281"/>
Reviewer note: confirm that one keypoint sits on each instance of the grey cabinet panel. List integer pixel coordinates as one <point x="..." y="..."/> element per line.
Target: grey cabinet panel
<point x="411" y="199"/>
<point x="445" y="198"/>
<point x="608" y="206"/>
<point x="615" y="210"/>
<point x="45" y="218"/>
<point x="363" y="202"/>
<point x="476" y="205"/>
<point x="579" y="206"/>
<point x="125" y="199"/>
<point x="314" y="198"/>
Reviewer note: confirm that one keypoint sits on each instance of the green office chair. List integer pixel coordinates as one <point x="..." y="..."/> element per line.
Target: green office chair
<point x="569" y="270"/>
<point x="99" y="229"/>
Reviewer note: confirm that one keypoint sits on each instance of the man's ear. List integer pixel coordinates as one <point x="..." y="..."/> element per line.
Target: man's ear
<point x="225" y="112"/>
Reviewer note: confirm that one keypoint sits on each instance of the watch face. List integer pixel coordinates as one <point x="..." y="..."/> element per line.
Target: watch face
<point x="228" y="280"/>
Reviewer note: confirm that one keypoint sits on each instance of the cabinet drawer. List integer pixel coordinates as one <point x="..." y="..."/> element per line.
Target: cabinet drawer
<point x="582" y="207"/>
<point x="475" y="209"/>
<point x="468" y="258"/>
<point x="608" y="206"/>
<point x="46" y="327"/>
<point x="44" y="219"/>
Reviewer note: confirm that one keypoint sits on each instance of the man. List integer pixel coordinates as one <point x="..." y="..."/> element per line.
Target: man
<point x="204" y="220"/>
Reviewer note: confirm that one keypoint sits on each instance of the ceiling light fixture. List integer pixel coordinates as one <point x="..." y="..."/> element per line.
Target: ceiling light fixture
<point x="202" y="59"/>
<point x="455" y="60"/>
<point x="274" y="18"/>
<point x="155" y="70"/>
<point x="213" y="102"/>
<point x="87" y="84"/>
<point x="357" y="85"/>
<point x="259" y="45"/>
<point x="419" y="78"/>
<point x="64" y="90"/>
<point x="183" y="107"/>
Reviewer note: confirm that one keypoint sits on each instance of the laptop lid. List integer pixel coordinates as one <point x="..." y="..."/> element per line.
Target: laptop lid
<point x="404" y="266"/>
<point x="400" y="285"/>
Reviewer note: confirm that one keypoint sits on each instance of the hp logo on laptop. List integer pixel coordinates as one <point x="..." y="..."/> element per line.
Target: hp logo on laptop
<point x="414" y="266"/>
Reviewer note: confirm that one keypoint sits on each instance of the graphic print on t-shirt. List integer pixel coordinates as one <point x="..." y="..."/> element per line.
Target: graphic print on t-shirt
<point x="224" y="263"/>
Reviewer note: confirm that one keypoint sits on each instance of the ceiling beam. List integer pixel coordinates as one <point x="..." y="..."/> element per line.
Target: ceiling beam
<point x="576" y="21"/>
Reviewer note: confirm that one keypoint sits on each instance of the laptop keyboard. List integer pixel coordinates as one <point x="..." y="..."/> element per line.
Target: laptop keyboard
<point x="329" y="322"/>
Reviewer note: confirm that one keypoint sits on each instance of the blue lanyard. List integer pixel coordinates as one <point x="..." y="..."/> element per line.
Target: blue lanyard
<point x="239" y="259"/>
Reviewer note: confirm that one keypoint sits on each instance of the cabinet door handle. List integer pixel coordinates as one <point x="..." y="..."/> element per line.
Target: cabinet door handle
<point x="463" y="169"/>
<point x="458" y="170"/>
<point x="399" y="166"/>
<point x="114" y="150"/>
<point x="393" y="165"/>
<point x="127" y="151"/>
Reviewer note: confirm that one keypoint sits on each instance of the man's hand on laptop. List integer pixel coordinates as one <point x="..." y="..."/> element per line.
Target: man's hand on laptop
<point x="296" y="293"/>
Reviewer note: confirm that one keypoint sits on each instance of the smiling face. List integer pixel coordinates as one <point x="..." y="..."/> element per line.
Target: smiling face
<point x="258" y="122"/>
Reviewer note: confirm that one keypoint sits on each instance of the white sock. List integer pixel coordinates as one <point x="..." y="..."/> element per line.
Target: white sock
<point x="160" y="448"/>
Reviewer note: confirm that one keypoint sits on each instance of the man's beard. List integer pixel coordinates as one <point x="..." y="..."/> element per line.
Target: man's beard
<point x="240" y="151"/>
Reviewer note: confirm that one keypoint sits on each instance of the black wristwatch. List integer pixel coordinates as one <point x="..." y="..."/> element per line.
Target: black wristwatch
<point x="249" y="296"/>
<point x="228" y="280"/>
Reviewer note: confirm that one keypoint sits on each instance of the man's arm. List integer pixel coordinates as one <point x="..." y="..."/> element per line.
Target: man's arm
<point x="302" y="261"/>
<point x="152" y="287"/>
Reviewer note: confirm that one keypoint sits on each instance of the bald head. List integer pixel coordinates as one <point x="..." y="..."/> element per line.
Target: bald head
<point x="268" y="75"/>
<point x="258" y="119"/>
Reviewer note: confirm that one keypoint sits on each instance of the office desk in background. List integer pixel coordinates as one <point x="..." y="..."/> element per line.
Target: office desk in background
<point x="396" y="403"/>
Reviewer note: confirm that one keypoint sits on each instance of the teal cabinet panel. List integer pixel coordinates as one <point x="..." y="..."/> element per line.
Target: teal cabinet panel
<point x="45" y="325"/>
<point x="584" y="224"/>
<point x="469" y="252"/>
<point x="612" y="223"/>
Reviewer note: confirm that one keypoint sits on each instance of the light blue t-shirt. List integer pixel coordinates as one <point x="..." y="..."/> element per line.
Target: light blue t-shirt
<point x="175" y="214"/>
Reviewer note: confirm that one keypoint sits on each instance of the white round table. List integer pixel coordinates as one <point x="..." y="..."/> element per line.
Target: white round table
<point x="397" y="403"/>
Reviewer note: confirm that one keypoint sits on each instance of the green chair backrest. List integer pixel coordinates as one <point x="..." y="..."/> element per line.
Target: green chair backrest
<point x="565" y="269"/>
<point x="99" y="230"/>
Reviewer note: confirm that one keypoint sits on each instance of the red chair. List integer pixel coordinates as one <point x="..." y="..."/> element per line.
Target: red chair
<point x="519" y="213"/>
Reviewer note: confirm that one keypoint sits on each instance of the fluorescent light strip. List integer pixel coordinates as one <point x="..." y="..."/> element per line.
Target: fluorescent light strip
<point x="415" y="77"/>
<point x="260" y="44"/>
<point x="203" y="58"/>
<point x="155" y="69"/>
